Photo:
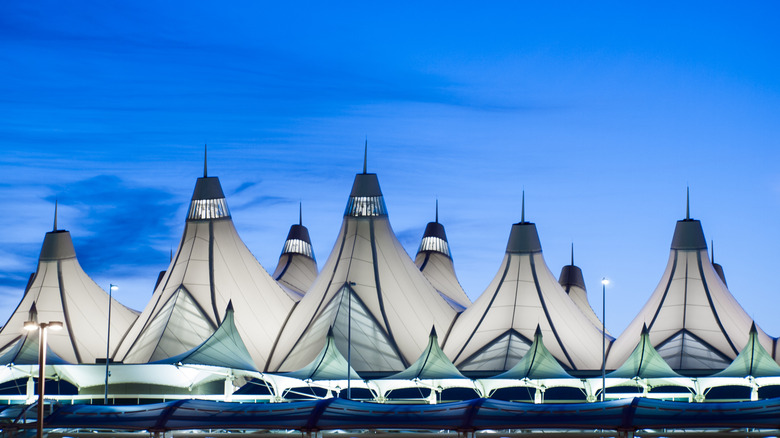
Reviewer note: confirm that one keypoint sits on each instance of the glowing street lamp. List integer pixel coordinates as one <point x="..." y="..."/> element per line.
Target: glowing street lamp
<point x="604" y="283"/>
<point x="111" y="288"/>
<point x="42" y="328"/>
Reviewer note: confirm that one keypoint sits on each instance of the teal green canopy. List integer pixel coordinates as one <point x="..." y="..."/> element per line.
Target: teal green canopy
<point x="432" y="364"/>
<point x="330" y="364"/>
<point x="752" y="361"/>
<point x="538" y="363"/>
<point x="644" y="362"/>
<point x="224" y="348"/>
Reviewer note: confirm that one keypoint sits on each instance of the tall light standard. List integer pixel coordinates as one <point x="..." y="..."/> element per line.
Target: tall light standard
<point x="111" y="288"/>
<point x="604" y="283"/>
<point x="42" y="328"/>
<point x="349" y="342"/>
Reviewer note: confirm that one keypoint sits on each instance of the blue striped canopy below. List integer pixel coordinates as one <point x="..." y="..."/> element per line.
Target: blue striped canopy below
<point x="478" y="414"/>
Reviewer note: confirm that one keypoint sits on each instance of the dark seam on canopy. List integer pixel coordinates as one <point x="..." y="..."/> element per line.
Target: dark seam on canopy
<point x="212" y="288"/>
<point x="65" y="312"/>
<point x="712" y="305"/>
<point x="547" y="313"/>
<point x="319" y="305"/>
<point x="425" y="262"/>
<point x="379" y="297"/>
<point x="286" y="265"/>
<point x="157" y="302"/>
<point x="666" y="291"/>
<point x="487" y="309"/>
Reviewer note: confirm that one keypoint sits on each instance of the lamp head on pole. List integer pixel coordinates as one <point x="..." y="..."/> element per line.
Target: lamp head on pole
<point x="604" y="281"/>
<point x="30" y="325"/>
<point x="54" y="325"/>
<point x="113" y="287"/>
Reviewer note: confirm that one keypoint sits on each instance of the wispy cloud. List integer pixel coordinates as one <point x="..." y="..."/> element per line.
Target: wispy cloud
<point x="120" y="226"/>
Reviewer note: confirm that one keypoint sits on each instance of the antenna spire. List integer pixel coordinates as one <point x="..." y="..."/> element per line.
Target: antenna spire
<point x="365" y="156"/>
<point x="171" y="256"/>
<point x="205" y="160"/>
<point x="437" y="210"/>
<point x="572" y="253"/>
<point x="687" y="203"/>
<point x="300" y="213"/>
<point x="712" y="248"/>
<point x="522" y="210"/>
<point x="55" y="215"/>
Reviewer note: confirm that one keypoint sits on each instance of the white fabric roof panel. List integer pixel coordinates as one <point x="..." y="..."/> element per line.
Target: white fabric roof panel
<point x="435" y="262"/>
<point x="694" y="321"/>
<point x="367" y="258"/>
<point x="211" y="268"/>
<point x="297" y="267"/>
<point x="524" y="294"/>
<point x="573" y="284"/>
<point x="62" y="291"/>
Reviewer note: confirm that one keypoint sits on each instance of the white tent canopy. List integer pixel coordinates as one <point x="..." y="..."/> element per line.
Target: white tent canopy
<point x="297" y="267"/>
<point x="573" y="283"/>
<point x="369" y="291"/>
<point x="495" y="332"/>
<point x="211" y="267"/>
<point x="435" y="262"/>
<point x="694" y="322"/>
<point x="60" y="290"/>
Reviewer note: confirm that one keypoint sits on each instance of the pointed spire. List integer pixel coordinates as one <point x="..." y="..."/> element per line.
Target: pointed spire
<point x="538" y="332"/>
<point x="712" y="248"/>
<point x="55" y="215"/>
<point x="365" y="157"/>
<point x="433" y="332"/>
<point x="171" y="255"/>
<point x="753" y="328"/>
<point x="437" y="210"/>
<point x="522" y="210"/>
<point x="645" y="331"/>
<point x="229" y="307"/>
<point x="687" y="203"/>
<point x="300" y="213"/>
<point x="205" y="160"/>
<point x="572" y="253"/>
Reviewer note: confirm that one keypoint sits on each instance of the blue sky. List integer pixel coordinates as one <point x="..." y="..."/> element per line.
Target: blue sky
<point x="602" y="113"/>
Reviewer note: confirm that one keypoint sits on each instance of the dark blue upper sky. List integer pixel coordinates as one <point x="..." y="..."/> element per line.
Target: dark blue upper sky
<point x="603" y="114"/>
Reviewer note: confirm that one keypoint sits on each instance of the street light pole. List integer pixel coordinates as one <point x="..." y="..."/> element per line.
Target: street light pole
<point x="604" y="283"/>
<point x="41" y="327"/>
<point x="111" y="288"/>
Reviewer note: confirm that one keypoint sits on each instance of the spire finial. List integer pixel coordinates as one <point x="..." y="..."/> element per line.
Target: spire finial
<point x="300" y="213"/>
<point x="712" y="248"/>
<point x="55" y="215"/>
<point x="687" y="203"/>
<point x="205" y="160"/>
<point x="365" y="156"/>
<point x="171" y="256"/>
<point x="572" y="253"/>
<point x="522" y="209"/>
<point x="437" y="210"/>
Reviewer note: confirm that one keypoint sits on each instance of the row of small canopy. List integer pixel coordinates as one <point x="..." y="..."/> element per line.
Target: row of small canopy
<point x="224" y="356"/>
